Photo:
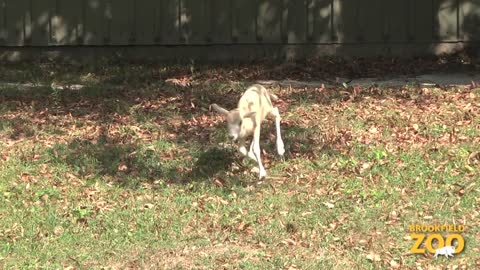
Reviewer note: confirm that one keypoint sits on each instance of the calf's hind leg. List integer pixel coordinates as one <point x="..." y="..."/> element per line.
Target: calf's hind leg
<point x="280" y="145"/>
<point x="256" y="152"/>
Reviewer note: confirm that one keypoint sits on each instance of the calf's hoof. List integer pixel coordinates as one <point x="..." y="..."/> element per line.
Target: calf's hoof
<point x="261" y="173"/>
<point x="242" y="150"/>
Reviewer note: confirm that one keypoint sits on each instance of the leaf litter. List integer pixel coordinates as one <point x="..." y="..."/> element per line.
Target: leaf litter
<point x="317" y="122"/>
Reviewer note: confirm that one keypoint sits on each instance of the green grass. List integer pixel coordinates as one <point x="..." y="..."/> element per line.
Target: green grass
<point x="135" y="172"/>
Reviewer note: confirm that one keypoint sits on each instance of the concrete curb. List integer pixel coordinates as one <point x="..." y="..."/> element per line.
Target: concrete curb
<point x="426" y="80"/>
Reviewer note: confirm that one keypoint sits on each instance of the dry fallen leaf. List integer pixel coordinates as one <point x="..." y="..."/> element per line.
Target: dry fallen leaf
<point x="44" y="198"/>
<point x="242" y="226"/>
<point x="374" y="257"/>
<point x="122" y="167"/>
<point x="218" y="183"/>
<point x="148" y="206"/>
<point x="394" y="264"/>
<point x="329" y="205"/>
<point x="373" y="130"/>
<point x="289" y="242"/>
<point x="363" y="242"/>
<point x="58" y="230"/>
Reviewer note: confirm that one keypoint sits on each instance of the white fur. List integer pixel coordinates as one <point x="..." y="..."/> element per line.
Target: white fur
<point x="254" y="106"/>
<point x="446" y="250"/>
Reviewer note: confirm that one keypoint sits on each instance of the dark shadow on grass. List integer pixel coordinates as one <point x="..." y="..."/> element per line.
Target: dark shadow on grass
<point x="212" y="162"/>
<point x="225" y="168"/>
<point x="17" y="128"/>
<point x="126" y="164"/>
<point x="129" y="165"/>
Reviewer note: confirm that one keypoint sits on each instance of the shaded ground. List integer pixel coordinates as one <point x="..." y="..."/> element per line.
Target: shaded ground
<point x="108" y="71"/>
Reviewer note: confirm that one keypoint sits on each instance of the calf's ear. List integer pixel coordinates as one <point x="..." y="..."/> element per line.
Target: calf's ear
<point x="219" y="109"/>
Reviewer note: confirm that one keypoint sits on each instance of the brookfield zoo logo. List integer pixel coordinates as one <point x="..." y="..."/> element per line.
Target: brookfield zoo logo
<point x="448" y="245"/>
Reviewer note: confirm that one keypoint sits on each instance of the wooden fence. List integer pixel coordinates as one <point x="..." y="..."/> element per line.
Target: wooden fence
<point x="49" y="23"/>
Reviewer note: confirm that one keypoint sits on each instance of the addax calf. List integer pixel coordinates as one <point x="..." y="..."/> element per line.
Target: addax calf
<point x="254" y="106"/>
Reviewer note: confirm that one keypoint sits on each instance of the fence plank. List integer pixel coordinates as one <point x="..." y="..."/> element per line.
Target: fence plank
<point x="371" y="20"/>
<point x="269" y="21"/>
<point x="470" y="20"/>
<point x="17" y="19"/>
<point x="121" y="22"/>
<point x="396" y="21"/>
<point x="147" y="23"/>
<point x="194" y="22"/>
<point x="220" y="14"/>
<point x="3" y="23"/>
<point x="96" y="27"/>
<point x="445" y="20"/>
<point x="41" y="21"/>
<point x="67" y="23"/>
<point x="294" y="22"/>
<point x="345" y="20"/>
<point x="169" y="22"/>
<point x="320" y="21"/>
<point x="421" y="25"/>
<point x="244" y="24"/>
<point x="360" y="21"/>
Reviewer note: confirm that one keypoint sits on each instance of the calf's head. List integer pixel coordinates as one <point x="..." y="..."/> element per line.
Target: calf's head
<point x="237" y="126"/>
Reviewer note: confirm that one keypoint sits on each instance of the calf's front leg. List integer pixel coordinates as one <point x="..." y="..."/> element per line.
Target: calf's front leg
<point x="241" y="146"/>
<point x="280" y="145"/>
<point x="256" y="151"/>
<point x="250" y="152"/>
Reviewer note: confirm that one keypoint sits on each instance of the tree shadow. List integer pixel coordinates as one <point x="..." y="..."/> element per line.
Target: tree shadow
<point x="16" y="128"/>
<point x="121" y="162"/>
<point x="130" y="165"/>
<point x="212" y="162"/>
